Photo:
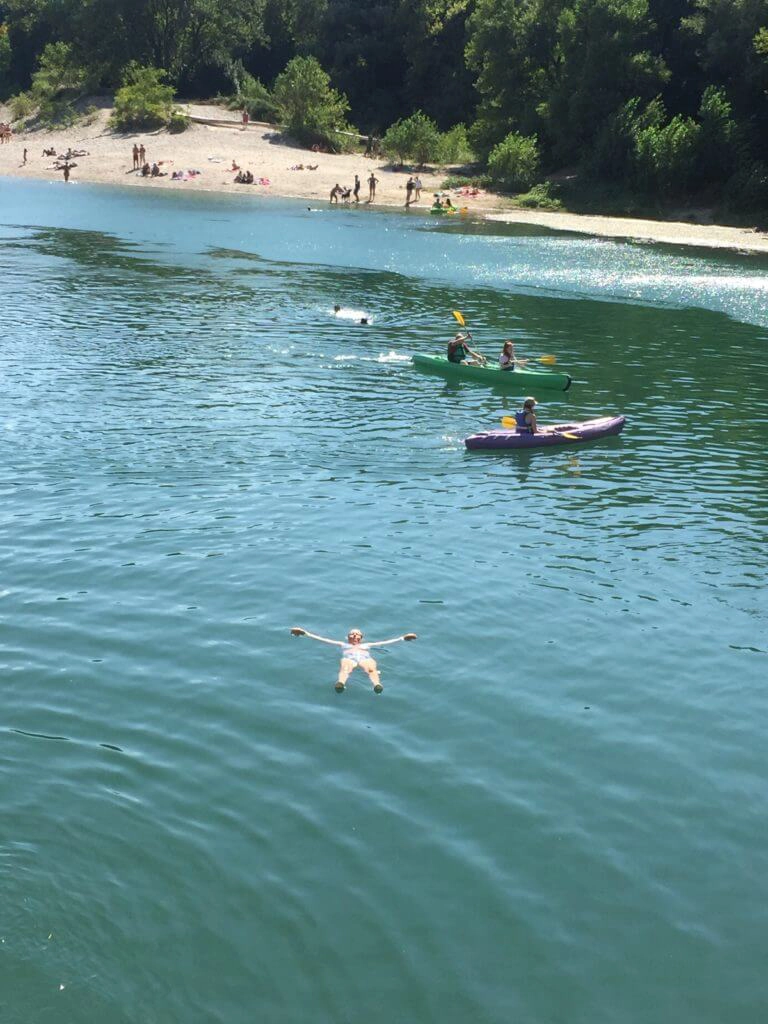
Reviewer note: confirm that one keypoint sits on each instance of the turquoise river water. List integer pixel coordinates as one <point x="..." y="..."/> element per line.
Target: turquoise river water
<point x="555" y="812"/>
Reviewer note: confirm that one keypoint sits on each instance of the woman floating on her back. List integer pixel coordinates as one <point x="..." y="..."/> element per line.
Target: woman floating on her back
<point x="355" y="654"/>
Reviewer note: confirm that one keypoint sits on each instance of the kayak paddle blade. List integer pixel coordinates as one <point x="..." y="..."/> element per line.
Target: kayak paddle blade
<point x="549" y="360"/>
<point x="459" y="317"/>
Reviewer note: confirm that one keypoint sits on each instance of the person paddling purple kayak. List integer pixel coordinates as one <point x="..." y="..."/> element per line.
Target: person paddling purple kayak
<point x="355" y="654"/>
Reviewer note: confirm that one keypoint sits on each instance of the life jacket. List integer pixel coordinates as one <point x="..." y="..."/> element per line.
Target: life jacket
<point x="520" y="421"/>
<point x="457" y="354"/>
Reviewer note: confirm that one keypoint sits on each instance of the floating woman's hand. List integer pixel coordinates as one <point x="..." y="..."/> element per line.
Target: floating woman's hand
<point x="410" y="636"/>
<point x="298" y="631"/>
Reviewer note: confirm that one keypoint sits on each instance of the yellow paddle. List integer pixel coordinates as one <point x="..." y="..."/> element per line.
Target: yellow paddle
<point x="510" y="421"/>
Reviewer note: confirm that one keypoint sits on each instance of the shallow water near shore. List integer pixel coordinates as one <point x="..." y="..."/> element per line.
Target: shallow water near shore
<point x="554" y="812"/>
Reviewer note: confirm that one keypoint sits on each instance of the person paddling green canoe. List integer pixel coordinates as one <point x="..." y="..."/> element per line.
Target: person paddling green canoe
<point x="459" y="351"/>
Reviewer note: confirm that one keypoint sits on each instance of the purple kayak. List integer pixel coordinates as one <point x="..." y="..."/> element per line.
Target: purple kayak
<point x="560" y="433"/>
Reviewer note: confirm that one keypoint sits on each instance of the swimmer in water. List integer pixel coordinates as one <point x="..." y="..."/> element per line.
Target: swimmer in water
<point x="355" y="654"/>
<point x="337" y="309"/>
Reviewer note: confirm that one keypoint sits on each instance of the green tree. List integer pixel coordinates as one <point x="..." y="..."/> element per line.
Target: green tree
<point x="667" y="156"/>
<point x="144" y="101"/>
<point x="414" y="138"/>
<point x="513" y="164"/>
<point x="5" y="61"/>
<point x="724" y="34"/>
<point x="312" y="110"/>
<point x="455" y="147"/>
<point x="58" y="71"/>
<point x="613" y="155"/>
<point x="437" y="79"/>
<point x="720" y="143"/>
<point x="605" y="60"/>
<point x="512" y="48"/>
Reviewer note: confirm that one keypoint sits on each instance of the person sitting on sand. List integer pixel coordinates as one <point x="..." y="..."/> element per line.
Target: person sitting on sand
<point x="145" y="171"/>
<point x="526" y="417"/>
<point x="346" y="194"/>
<point x="234" y="167"/>
<point x="507" y="357"/>
<point x="155" y="172"/>
<point x="459" y="351"/>
<point x="355" y="654"/>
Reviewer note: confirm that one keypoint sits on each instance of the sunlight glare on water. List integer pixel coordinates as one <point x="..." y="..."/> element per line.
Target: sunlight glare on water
<point x="554" y="811"/>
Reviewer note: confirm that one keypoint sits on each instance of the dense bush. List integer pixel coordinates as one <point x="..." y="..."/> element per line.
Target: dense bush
<point x="144" y="101"/>
<point x="22" y="105"/>
<point x="541" y="197"/>
<point x="312" y="110"/>
<point x="255" y="97"/>
<point x="56" y="112"/>
<point x="58" y="72"/>
<point x="613" y="155"/>
<point x="179" y="122"/>
<point x="454" y="146"/>
<point x="720" y="147"/>
<point x="747" y="190"/>
<point x="464" y="181"/>
<point x="513" y="164"/>
<point x="667" y="157"/>
<point x="415" y="138"/>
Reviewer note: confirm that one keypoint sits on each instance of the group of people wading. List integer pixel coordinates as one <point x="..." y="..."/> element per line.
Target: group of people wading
<point x="347" y="195"/>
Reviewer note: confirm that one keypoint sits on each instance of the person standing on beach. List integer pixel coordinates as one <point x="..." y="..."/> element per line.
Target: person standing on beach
<point x="245" y="118"/>
<point x="25" y="156"/>
<point x="356" y="189"/>
<point x="135" y="157"/>
<point x="142" y="155"/>
<point x="65" y="168"/>
<point x="372" y="183"/>
<point x="416" y="189"/>
<point x="335" y="193"/>
<point x="408" y="191"/>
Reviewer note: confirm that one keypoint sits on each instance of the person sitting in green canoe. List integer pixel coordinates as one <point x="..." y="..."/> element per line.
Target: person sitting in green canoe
<point x="507" y="357"/>
<point x="355" y="654"/>
<point x="526" y="417"/>
<point x="459" y="351"/>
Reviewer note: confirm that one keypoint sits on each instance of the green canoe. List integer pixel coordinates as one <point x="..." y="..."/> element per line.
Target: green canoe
<point x="514" y="380"/>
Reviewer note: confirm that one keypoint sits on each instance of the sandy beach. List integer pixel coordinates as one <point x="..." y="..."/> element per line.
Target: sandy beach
<point x="211" y="150"/>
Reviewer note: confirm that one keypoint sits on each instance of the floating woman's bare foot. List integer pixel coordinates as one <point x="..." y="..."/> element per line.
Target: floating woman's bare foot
<point x="340" y="687"/>
<point x="377" y="688"/>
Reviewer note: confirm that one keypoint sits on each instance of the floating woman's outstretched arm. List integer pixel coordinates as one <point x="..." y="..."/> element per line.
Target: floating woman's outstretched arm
<point x="395" y="640"/>
<point x="298" y="631"/>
